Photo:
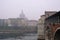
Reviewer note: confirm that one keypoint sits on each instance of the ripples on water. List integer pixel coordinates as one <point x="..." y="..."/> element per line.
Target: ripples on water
<point x="31" y="37"/>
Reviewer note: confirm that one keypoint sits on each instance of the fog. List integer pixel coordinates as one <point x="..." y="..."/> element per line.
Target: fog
<point x="33" y="9"/>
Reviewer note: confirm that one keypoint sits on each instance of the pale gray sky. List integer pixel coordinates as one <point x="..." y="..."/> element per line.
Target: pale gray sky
<point x="33" y="9"/>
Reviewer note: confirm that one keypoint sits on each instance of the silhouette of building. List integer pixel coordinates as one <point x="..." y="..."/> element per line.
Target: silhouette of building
<point x="3" y="22"/>
<point x="22" y="16"/>
<point x="21" y="21"/>
<point x="32" y="23"/>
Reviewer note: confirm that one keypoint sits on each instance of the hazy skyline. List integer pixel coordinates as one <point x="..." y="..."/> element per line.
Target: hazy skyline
<point x="33" y="9"/>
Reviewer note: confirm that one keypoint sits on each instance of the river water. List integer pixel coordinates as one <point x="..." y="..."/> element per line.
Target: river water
<point x="26" y="37"/>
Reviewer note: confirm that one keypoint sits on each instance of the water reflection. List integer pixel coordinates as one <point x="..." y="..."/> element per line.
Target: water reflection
<point x="26" y="37"/>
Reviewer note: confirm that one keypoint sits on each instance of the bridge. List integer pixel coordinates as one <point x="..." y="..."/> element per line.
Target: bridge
<point x="52" y="27"/>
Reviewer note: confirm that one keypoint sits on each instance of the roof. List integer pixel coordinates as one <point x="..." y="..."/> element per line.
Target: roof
<point x="49" y="13"/>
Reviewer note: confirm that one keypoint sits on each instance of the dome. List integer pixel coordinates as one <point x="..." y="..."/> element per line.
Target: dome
<point x="22" y="15"/>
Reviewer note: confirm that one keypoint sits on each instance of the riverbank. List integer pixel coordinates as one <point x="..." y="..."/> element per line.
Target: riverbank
<point x="32" y="37"/>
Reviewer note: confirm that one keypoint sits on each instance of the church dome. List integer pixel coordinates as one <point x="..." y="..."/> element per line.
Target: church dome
<point x="22" y="15"/>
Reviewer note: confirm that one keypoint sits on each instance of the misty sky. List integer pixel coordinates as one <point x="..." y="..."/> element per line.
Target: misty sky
<point x="33" y="9"/>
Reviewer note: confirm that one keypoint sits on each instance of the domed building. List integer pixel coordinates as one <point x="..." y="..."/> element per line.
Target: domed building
<point x="21" y="21"/>
<point x="22" y="16"/>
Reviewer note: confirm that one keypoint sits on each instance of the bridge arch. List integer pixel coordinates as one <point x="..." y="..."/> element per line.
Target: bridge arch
<point x="57" y="34"/>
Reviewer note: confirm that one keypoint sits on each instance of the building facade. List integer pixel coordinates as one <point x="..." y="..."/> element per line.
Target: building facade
<point x="21" y="21"/>
<point x="32" y="23"/>
<point x="12" y="22"/>
<point x="41" y="28"/>
<point x="3" y="22"/>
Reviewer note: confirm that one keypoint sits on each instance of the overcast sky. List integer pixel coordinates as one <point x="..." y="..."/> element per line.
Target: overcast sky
<point x="33" y="9"/>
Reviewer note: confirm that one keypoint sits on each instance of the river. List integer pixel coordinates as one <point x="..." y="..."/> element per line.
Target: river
<point x="26" y="37"/>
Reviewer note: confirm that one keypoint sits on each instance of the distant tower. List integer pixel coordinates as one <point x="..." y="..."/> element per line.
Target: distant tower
<point x="22" y="15"/>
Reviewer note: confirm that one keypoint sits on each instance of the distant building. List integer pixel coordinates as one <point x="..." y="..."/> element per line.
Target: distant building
<point x="24" y="23"/>
<point x="21" y="21"/>
<point x="32" y="23"/>
<point x="41" y="28"/>
<point x="32" y="26"/>
<point x="12" y="22"/>
<point x="22" y="16"/>
<point x="3" y="22"/>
